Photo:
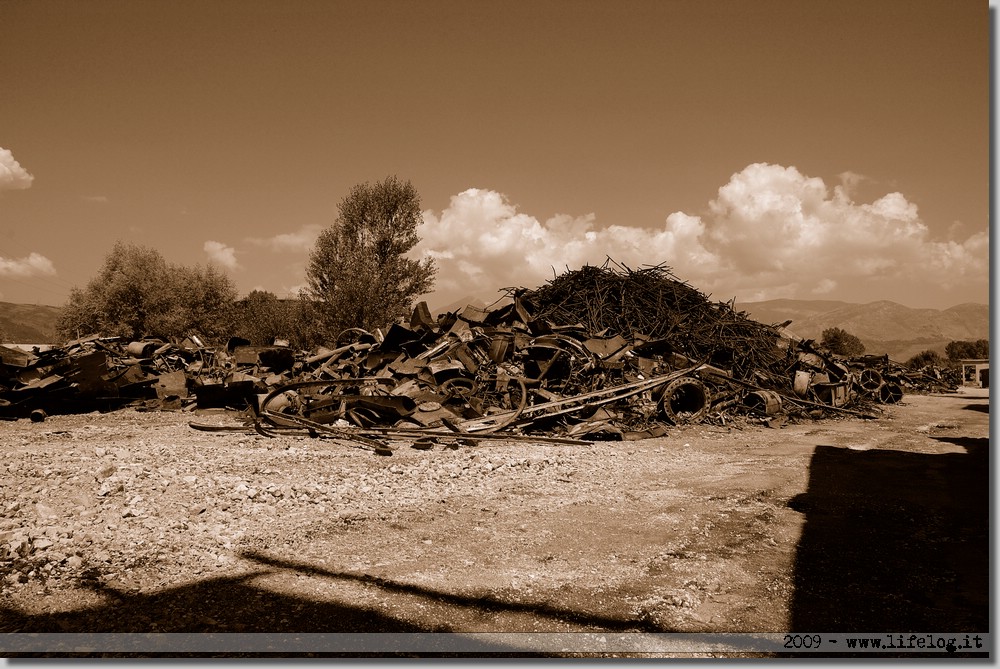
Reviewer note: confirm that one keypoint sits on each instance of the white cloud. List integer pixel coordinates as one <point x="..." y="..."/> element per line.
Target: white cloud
<point x="222" y="254"/>
<point x="780" y="232"/>
<point x="770" y="232"/>
<point x="481" y="244"/>
<point x="301" y="240"/>
<point x="33" y="264"/>
<point x="12" y="175"/>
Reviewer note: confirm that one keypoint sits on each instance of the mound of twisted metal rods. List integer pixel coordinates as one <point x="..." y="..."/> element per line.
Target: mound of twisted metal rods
<point x="652" y="302"/>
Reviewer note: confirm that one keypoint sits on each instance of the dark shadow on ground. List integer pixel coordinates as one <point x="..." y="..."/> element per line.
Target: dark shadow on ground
<point x="894" y="541"/>
<point x="984" y="407"/>
<point x="237" y="604"/>
<point x="484" y="603"/>
<point x="231" y="604"/>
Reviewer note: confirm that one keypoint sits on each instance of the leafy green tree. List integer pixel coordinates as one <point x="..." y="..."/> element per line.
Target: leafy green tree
<point x="841" y="342"/>
<point x="965" y="350"/>
<point x="359" y="274"/>
<point x="137" y="293"/>
<point x="925" y="358"/>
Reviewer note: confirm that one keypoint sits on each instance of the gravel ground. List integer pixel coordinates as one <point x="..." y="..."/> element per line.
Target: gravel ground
<point x="134" y="521"/>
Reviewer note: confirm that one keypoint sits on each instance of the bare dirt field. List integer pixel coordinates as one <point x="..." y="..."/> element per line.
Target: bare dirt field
<point x="135" y="522"/>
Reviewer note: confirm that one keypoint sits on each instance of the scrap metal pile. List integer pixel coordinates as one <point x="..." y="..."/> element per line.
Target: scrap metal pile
<point x="598" y="353"/>
<point x="101" y="374"/>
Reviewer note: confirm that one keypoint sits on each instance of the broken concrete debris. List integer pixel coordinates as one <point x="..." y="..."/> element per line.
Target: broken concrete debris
<point x="599" y="353"/>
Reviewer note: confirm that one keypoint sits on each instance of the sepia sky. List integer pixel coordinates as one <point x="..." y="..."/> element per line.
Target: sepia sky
<point x="775" y="148"/>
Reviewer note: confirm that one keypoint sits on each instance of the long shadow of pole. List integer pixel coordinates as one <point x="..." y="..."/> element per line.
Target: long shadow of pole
<point x="481" y="603"/>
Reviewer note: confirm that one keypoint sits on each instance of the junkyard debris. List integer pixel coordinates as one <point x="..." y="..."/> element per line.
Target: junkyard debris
<point x="599" y="353"/>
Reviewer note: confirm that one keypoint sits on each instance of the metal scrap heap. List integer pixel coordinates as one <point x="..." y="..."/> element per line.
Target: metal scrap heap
<point x="598" y="353"/>
<point x="652" y="304"/>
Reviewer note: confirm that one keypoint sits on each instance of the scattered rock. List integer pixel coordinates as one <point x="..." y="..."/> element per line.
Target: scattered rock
<point x="20" y="547"/>
<point x="44" y="511"/>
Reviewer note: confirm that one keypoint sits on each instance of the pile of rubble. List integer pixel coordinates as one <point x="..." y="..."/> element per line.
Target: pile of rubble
<point x="100" y="374"/>
<point x="598" y="353"/>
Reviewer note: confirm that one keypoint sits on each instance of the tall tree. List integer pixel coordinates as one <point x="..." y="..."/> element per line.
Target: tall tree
<point x="137" y="293"/>
<point x="359" y="274"/>
<point x="841" y="342"/>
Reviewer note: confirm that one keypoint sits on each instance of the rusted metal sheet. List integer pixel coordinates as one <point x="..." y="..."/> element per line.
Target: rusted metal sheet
<point x="15" y="357"/>
<point x="173" y="384"/>
<point x="87" y="373"/>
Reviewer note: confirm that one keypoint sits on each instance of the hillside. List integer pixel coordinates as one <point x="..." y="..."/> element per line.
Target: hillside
<point x="971" y="315"/>
<point x="28" y="323"/>
<point x="778" y="311"/>
<point x="883" y="326"/>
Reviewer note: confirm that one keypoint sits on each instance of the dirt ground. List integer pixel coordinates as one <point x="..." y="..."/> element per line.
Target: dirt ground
<point x="135" y="522"/>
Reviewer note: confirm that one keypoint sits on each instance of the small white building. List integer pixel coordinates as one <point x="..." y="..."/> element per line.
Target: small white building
<point x="976" y="372"/>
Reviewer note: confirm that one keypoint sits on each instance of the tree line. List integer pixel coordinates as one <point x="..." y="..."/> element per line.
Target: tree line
<point x="841" y="342"/>
<point x="358" y="276"/>
<point x="955" y="351"/>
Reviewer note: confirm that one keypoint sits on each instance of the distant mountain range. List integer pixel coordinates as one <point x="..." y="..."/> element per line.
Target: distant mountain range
<point x="28" y="323"/>
<point x="883" y="326"/>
